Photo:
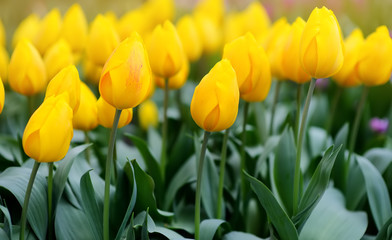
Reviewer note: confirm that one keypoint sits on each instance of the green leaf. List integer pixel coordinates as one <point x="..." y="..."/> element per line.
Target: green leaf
<point x="209" y="227"/>
<point x="317" y="138"/>
<point x="331" y="220"/>
<point x="338" y="171"/>
<point x="144" y="228"/>
<point x="270" y="146"/>
<point x="144" y="219"/>
<point x="7" y="221"/>
<point x="385" y="231"/>
<point x="277" y="215"/>
<point x="10" y="149"/>
<point x="131" y="231"/>
<point x="209" y="186"/>
<point x="240" y="235"/>
<point x="381" y="158"/>
<point x="15" y="180"/>
<point x="3" y="234"/>
<point x="284" y="168"/>
<point x="90" y="206"/>
<point x="377" y="192"/>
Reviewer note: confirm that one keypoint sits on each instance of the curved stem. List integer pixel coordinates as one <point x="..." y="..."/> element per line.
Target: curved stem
<point x="299" y="146"/>
<point x="27" y="199"/>
<point x="298" y="115"/>
<point x="164" y="128"/>
<point x="109" y="160"/>
<point x="276" y="97"/>
<point x="50" y="202"/>
<point x="222" y="174"/>
<point x="198" y="185"/>
<point x="243" y="163"/>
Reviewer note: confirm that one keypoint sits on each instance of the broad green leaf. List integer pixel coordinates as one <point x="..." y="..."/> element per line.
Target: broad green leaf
<point x="15" y="180"/>
<point x="284" y="168"/>
<point x="209" y="227"/>
<point x="3" y="234"/>
<point x="270" y="146"/>
<point x="10" y="150"/>
<point x="385" y="232"/>
<point x="7" y="221"/>
<point x="240" y="235"/>
<point x="144" y="219"/>
<point x="90" y="206"/>
<point x="381" y="158"/>
<point x="377" y="192"/>
<point x="277" y="215"/>
<point x="331" y="220"/>
<point x="317" y="138"/>
<point x="209" y="186"/>
<point x="338" y="171"/>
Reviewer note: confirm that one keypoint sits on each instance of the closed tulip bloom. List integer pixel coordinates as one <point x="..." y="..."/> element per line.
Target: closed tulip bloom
<point x="75" y="28"/>
<point x="251" y="66"/>
<point x="48" y="31"/>
<point x="321" y="46"/>
<point x="26" y="29"/>
<point x="86" y="118"/>
<point x="26" y="72"/>
<point x="102" y="40"/>
<point x="49" y="131"/>
<point x="91" y="71"/>
<point x="148" y="114"/>
<point x="3" y="36"/>
<point x="106" y="114"/>
<point x="57" y="57"/>
<point x="66" y="81"/>
<point x="178" y="80"/>
<point x="2" y="95"/>
<point x="190" y="38"/>
<point x="291" y="66"/>
<point x="126" y="76"/>
<point x="165" y="50"/>
<point x="4" y="62"/>
<point x="347" y="76"/>
<point x="374" y="61"/>
<point x="214" y="105"/>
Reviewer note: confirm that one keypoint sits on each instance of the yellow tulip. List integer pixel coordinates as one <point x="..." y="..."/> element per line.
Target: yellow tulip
<point x="48" y="31"/>
<point x="86" y="117"/>
<point x="57" y="57"/>
<point x="190" y="38"/>
<point x="49" y="131"/>
<point x="126" y="76"/>
<point x="2" y="95"/>
<point x="66" y="81"/>
<point x="291" y="66"/>
<point x="347" y="76"/>
<point x="214" y="105"/>
<point x="91" y="71"/>
<point x="251" y="66"/>
<point x="321" y="45"/>
<point x="4" y="62"/>
<point x="255" y="19"/>
<point x="210" y="33"/>
<point x="26" y="72"/>
<point x="165" y="50"/>
<point x="75" y="28"/>
<point x="148" y="114"/>
<point x="106" y="114"/>
<point x="214" y="9"/>
<point x="3" y="36"/>
<point x="374" y="61"/>
<point x="102" y="40"/>
<point x="132" y="21"/>
<point x="157" y="12"/>
<point x="28" y="28"/>
<point x="112" y="17"/>
<point x="178" y="80"/>
<point x="233" y="26"/>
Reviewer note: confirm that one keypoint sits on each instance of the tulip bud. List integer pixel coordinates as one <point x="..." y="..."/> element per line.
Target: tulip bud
<point x="178" y="80"/>
<point x="374" y="61"/>
<point x="190" y="38"/>
<point x="75" y="27"/>
<point x="148" y="114"/>
<point x="2" y="95"/>
<point x="91" y="71"/>
<point x="347" y="76"/>
<point x="210" y="33"/>
<point x="66" y="81"/>
<point x="4" y="62"/>
<point x="86" y="117"/>
<point x="49" y="131"/>
<point x="291" y="66"/>
<point x="251" y="66"/>
<point x="165" y="50"/>
<point x="126" y="76"/>
<point x="214" y="105"/>
<point x="26" y="72"/>
<point x="48" y="31"/>
<point x="26" y="29"/>
<point x="3" y="36"/>
<point x="102" y="40"/>
<point x="57" y="57"/>
<point x="321" y="46"/>
<point x="106" y="114"/>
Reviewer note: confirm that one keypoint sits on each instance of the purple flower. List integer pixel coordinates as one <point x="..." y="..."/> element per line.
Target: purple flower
<point x="322" y="83"/>
<point x="379" y="125"/>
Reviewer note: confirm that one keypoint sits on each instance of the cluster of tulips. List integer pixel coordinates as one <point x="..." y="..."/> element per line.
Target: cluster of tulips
<point x="128" y="57"/>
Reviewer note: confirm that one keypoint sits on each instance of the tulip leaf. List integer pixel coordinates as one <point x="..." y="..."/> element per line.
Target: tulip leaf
<point x="15" y="180"/>
<point x="381" y="158"/>
<point x="269" y="147"/>
<point x="209" y="227"/>
<point x="7" y="221"/>
<point x="209" y="186"/>
<point x="377" y="192"/>
<point x="277" y="215"/>
<point x="131" y="231"/>
<point x="10" y="150"/>
<point x="3" y="234"/>
<point x="331" y="220"/>
<point x="90" y="206"/>
<point x="144" y="227"/>
<point x="338" y="171"/>
<point x="385" y="232"/>
<point x="240" y="235"/>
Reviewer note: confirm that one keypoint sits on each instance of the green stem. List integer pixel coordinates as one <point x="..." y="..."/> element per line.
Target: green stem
<point x="87" y="151"/>
<point x="179" y="103"/>
<point x="242" y="151"/>
<point x="299" y="146"/>
<point x="335" y="101"/>
<point x="109" y="160"/>
<point x="27" y="199"/>
<point x="50" y="195"/>
<point x="198" y="185"/>
<point x="275" y="101"/>
<point x="298" y="115"/>
<point x="164" y="128"/>
<point x="222" y="174"/>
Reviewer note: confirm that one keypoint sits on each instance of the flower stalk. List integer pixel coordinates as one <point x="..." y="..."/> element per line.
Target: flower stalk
<point x="164" y="127"/>
<point x="222" y="174"/>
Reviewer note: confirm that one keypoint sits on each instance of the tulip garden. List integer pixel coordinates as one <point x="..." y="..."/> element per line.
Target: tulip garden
<point x="207" y="122"/>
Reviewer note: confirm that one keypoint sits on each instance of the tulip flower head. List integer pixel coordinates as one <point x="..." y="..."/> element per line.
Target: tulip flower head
<point x="2" y="95"/>
<point x="75" y="24"/>
<point x="106" y="114"/>
<point x="251" y="66"/>
<point x="4" y="62"/>
<point x="148" y="114"/>
<point x="214" y="105"/>
<point x="48" y="31"/>
<point x="190" y="38"/>
<point x="178" y="80"/>
<point x="26" y="72"/>
<point x="49" y="131"/>
<point x="126" y="77"/>
<point x="57" y="57"/>
<point x="321" y="46"/>
<point x="27" y="29"/>
<point x="86" y="117"/>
